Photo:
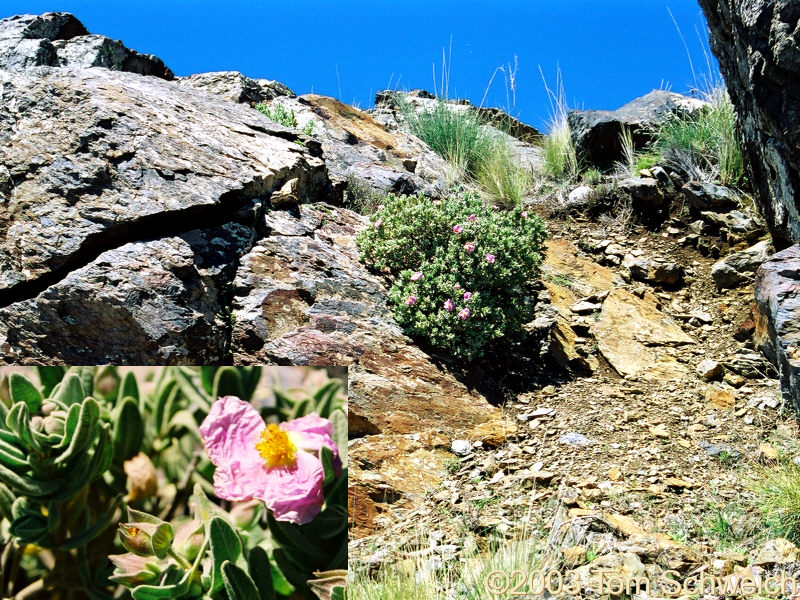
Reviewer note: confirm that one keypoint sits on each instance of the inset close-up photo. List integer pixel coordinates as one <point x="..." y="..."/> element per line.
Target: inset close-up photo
<point x="173" y="482"/>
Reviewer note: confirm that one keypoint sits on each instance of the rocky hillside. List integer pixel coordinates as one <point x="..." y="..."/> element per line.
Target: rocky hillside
<point x="153" y="219"/>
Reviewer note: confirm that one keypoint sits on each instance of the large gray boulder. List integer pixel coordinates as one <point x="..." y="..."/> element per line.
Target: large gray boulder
<point x="95" y="156"/>
<point x="778" y="295"/>
<point x="757" y="45"/>
<point x="126" y="204"/>
<point x="58" y="39"/>
<point x="596" y="133"/>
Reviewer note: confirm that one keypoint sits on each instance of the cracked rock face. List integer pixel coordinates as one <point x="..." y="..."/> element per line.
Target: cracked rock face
<point x="756" y="43"/>
<point x="777" y="291"/>
<point x="148" y="302"/>
<point x="95" y="156"/>
<point x="126" y="203"/>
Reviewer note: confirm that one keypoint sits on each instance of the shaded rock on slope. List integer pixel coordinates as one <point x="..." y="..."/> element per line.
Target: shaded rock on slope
<point x="758" y="50"/>
<point x="777" y="292"/>
<point x="596" y="133"/>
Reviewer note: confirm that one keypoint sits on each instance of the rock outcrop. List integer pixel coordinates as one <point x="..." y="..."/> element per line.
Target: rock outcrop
<point x="596" y="133"/>
<point x="235" y="87"/>
<point x="758" y="50"/>
<point x="59" y="40"/>
<point x="778" y="295"/>
<point x="150" y="221"/>
<point x="361" y="151"/>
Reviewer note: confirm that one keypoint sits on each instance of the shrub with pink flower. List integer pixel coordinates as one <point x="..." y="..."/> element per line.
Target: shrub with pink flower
<point x="498" y="263"/>
<point x="411" y="301"/>
<point x="276" y="463"/>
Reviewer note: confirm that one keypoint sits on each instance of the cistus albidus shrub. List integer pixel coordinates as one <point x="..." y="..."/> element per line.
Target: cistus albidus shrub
<point x="109" y="492"/>
<point x="463" y="270"/>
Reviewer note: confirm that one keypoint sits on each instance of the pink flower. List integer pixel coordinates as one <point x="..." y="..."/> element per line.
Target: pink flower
<point x="380" y="206"/>
<point x="458" y="229"/>
<point x="463" y="313"/>
<point x="411" y="301"/>
<point x="416" y="275"/>
<point x="467" y="295"/>
<point x="469" y="247"/>
<point x="457" y="286"/>
<point x="490" y="258"/>
<point x="495" y="207"/>
<point x="449" y="305"/>
<point x="472" y="218"/>
<point x="379" y="222"/>
<point x="278" y="464"/>
<point x="524" y="214"/>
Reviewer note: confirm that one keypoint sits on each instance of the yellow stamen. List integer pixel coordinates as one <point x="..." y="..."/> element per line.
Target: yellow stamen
<point x="275" y="447"/>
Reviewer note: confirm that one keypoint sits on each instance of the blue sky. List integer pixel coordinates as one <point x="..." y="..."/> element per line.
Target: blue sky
<point x="608" y="51"/>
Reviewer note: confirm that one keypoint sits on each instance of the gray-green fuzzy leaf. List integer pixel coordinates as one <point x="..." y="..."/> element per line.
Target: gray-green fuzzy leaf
<point x="238" y="584"/>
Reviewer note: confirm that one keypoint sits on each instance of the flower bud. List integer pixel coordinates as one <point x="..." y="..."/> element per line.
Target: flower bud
<point x="134" y="539"/>
<point x="189" y="539"/>
<point x="54" y="423"/>
<point x="142" y="481"/>
<point x="49" y="407"/>
<point x="134" y="570"/>
<point x="147" y="539"/>
<point x="37" y="423"/>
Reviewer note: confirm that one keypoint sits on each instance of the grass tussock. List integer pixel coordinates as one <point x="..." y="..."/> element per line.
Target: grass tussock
<point x="456" y="135"/>
<point x="434" y="577"/>
<point x="559" y="157"/>
<point x="473" y="150"/>
<point x="777" y="490"/>
<point x="704" y="145"/>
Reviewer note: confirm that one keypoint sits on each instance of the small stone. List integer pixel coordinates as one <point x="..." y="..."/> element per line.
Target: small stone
<point x="734" y="380"/>
<point x="580" y="195"/>
<point x="494" y="433"/>
<point x="541" y="412"/>
<point x="461" y="447"/>
<point x="767" y="454"/>
<point x="720" y="398"/>
<point x="659" y="431"/>
<point x="585" y="308"/>
<point x="676" y="482"/>
<point x="623" y="524"/>
<point x="710" y="369"/>
<point x="776" y="552"/>
<point x="614" y="474"/>
<point x="575" y="439"/>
